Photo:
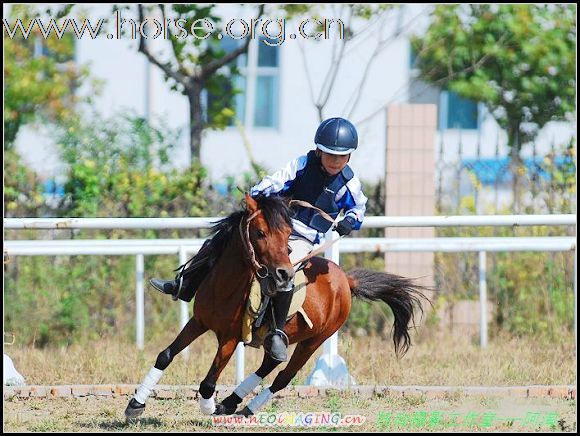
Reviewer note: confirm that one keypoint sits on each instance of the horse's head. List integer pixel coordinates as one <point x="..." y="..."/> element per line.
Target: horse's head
<point x="269" y="224"/>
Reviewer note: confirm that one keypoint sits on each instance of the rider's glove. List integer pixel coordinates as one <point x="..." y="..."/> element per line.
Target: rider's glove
<point x="345" y="226"/>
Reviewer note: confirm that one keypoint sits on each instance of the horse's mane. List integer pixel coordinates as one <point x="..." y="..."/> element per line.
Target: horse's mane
<point x="275" y="210"/>
<point x="276" y="213"/>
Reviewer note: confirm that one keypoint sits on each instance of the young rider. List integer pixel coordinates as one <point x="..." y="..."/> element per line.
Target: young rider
<point x="324" y="179"/>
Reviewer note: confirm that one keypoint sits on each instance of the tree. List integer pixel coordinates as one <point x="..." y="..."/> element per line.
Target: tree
<point x="519" y="60"/>
<point x="360" y="22"/>
<point x="195" y="66"/>
<point x="38" y="85"/>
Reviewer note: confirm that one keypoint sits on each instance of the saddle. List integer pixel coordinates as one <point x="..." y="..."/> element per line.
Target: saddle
<point x="253" y="332"/>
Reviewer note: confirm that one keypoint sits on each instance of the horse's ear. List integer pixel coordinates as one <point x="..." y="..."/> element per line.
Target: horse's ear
<point x="251" y="204"/>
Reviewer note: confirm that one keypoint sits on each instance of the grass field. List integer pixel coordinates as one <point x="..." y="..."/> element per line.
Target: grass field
<point x="435" y="360"/>
<point x="443" y="360"/>
<point x="453" y="413"/>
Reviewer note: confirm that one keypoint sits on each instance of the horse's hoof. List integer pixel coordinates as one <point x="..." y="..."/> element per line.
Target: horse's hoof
<point x="246" y="412"/>
<point x="134" y="410"/>
<point x="220" y="409"/>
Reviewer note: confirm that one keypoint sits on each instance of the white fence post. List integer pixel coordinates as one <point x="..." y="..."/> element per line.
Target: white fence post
<point x="331" y="369"/>
<point x="331" y="344"/>
<point x="140" y="302"/>
<point x="240" y="360"/>
<point x="575" y="292"/>
<point x="482" y="299"/>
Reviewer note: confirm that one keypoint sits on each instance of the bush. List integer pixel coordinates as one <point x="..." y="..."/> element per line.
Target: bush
<point x="532" y="291"/>
<point x="117" y="167"/>
<point x="22" y="189"/>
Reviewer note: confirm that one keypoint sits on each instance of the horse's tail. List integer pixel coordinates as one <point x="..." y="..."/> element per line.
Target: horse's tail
<point x="400" y="293"/>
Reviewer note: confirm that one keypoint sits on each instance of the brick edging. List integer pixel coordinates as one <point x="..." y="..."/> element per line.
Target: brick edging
<point x="365" y="391"/>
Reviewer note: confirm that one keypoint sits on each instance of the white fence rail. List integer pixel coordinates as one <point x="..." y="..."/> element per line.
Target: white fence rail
<point x="369" y="222"/>
<point x="185" y="247"/>
<point x="351" y="245"/>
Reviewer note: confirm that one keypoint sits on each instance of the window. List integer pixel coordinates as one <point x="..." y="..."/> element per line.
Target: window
<point x="456" y="112"/>
<point x="257" y="104"/>
<point x="266" y="92"/>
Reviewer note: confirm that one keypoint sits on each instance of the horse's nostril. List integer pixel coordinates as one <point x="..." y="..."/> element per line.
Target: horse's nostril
<point x="284" y="275"/>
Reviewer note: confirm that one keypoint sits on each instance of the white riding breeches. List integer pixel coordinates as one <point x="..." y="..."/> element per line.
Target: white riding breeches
<point x="300" y="248"/>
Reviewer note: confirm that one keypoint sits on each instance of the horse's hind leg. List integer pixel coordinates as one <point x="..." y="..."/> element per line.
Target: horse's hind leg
<point x="229" y="405"/>
<point x="192" y="330"/>
<point x="301" y="354"/>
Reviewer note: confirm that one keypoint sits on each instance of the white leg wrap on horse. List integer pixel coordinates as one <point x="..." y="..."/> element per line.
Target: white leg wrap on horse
<point x="248" y="385"/>
<point x="151" y="380"/>
<point x="259" y="400"/>
<point x="207" y="406"/>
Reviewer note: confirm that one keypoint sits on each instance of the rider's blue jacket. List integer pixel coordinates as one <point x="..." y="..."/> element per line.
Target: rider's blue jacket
<point x="305" y="179"/>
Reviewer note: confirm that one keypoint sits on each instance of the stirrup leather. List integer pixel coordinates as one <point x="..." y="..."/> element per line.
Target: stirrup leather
<point x="175" y="296"/>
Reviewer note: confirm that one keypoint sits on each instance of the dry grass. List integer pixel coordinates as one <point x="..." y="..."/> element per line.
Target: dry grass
<point x="431" y="361"/>
<point x="91" y="414"/>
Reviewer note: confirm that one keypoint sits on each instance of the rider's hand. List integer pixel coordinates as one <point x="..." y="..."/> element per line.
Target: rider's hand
<point x="345" y="226"/>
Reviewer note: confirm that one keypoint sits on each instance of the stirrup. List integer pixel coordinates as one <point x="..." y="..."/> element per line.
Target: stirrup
<point x="175" y="296"/>
<point x="283" y="335"/>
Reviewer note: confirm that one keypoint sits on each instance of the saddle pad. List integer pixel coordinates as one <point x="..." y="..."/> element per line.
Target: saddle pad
<point x="255" y="299"/>
<point x="298" y="298"/>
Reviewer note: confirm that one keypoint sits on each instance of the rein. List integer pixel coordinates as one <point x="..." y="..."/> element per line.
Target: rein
<point x="245" y="234"/>
<point x="326" y="244"/>
<point x="319" y="250"/>
<point x="262" y="270"/>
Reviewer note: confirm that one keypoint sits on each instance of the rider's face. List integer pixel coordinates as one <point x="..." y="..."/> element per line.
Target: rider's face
<point x="333" y="163"/>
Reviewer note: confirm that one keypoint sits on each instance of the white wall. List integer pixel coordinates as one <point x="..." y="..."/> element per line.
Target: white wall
<point x="123" y="69"/>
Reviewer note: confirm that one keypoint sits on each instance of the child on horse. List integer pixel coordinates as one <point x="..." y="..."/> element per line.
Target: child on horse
<point x="322" y="178"/>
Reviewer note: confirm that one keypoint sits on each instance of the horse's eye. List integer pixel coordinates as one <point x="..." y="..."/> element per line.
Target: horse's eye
<point x="261" y="234"/>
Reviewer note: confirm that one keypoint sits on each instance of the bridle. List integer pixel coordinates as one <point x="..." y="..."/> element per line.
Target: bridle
<point x="260" y="270"/>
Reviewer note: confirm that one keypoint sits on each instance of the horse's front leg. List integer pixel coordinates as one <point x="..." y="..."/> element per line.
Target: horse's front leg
<point x="229" y="405"/>
<point x="192" y="330"/>
<point x="207" y="387"/>
<point x="301" y="354"/>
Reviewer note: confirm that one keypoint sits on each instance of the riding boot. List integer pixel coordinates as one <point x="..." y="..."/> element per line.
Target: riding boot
<point x="170" y="287"/>
<point x="276" y="343"/>
<point x="180" y="287"/>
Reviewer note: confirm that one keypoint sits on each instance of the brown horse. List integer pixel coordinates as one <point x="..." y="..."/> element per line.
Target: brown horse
<point x="255" y="241"/>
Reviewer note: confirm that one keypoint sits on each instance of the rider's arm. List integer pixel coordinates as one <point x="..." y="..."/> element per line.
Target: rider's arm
<point x="281" y="181"/>
<point x="352" y="200"/>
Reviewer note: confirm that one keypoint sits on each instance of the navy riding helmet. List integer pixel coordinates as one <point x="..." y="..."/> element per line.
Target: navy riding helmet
<point x="336" y="136"/>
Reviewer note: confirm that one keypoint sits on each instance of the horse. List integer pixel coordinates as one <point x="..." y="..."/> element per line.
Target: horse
<point x="254" y="241"/>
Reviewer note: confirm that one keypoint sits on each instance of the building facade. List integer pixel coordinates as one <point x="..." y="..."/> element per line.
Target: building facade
<point x="280" y="85"/>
